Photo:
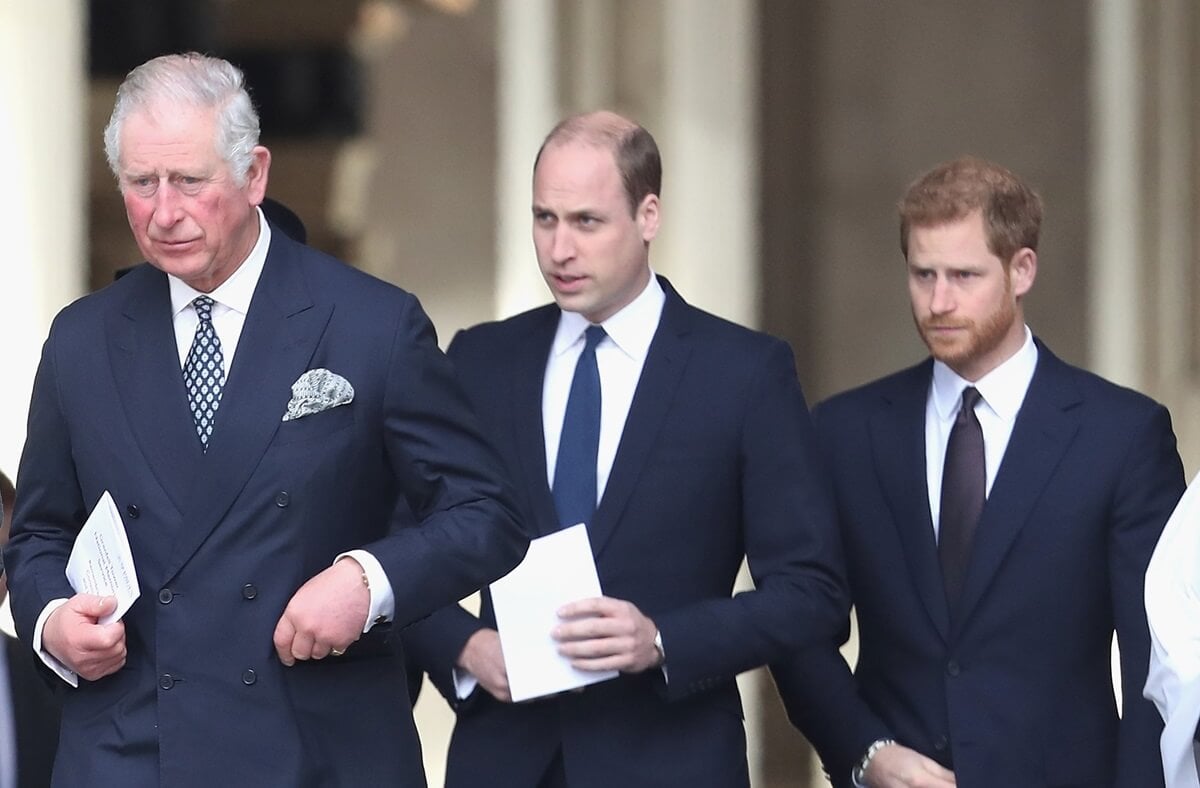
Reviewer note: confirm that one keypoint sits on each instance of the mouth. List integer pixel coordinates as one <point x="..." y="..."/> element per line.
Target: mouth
<point x="567" y="282"/>
<point x="173" y="245"/>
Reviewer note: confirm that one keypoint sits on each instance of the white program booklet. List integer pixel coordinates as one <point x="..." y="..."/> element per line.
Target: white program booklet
<point x="558" y="569"/>
<point x="101" y="562"/>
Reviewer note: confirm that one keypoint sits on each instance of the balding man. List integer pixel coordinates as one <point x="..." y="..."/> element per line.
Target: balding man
<point x="700" y="454"/>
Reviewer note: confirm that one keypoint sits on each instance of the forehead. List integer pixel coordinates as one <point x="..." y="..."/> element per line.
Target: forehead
<point x="166" y="136"/>
<point x="576" y="170"/>
<point x="952" y="241"/>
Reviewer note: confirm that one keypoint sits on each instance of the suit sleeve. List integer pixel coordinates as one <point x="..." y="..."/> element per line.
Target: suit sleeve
<point x="450" y="476"/>
<point x="1150" y="486"/>
<point x="817" y="687"/>
<point x="791" y="544"/>
<point x="434" y="643"/>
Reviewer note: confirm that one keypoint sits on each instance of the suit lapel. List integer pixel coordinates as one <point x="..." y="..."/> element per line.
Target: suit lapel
<point x="1045" y="427"/>
<point x="528" y="378"/>
<point x="146" y="371"/>
<point x="281" y="332"/>
<point x="898" y="446"/>
<point x="665" y="362"/>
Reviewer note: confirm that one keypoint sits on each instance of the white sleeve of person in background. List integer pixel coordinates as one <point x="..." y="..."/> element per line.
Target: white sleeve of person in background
<point x="1173" y="613"/>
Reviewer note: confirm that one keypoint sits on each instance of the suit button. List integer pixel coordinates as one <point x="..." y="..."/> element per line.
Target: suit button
<point x="132" y="511"/>
<point x="165" y="596"/>
<point x="953" y="669"/>
<point x="282" y="500"/>
<point x="249" y="591"/>
<point x="941" y="743"/>
<point x="166" y="681"/>
<point x="249" y="677"/>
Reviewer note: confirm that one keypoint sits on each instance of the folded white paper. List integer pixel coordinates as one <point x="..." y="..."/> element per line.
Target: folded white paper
<point x="558" y="569"/>
<point x="101" y="562"/>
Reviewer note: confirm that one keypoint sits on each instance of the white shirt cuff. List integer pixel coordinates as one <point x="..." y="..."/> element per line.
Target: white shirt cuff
<point x="383" y="598"/>
<point x="52" y="662"/>
<point x="464" y="682"/>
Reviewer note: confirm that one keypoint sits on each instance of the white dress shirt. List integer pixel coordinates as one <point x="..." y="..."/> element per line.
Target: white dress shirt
<point x="1173" y="613"/>
<point x="620" y="357"/>
<point x="231" y="304"/>
<point x="1001" y="393"/>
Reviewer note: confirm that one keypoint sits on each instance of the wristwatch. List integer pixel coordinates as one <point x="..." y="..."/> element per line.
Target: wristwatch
<point x="859" y="775"/>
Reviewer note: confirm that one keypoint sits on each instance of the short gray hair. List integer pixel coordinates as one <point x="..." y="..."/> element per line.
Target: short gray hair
<point x="193" y="80"/>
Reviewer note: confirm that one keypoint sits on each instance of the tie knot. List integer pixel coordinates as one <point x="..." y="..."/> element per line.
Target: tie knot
<point x="592" y="337"/>
<point x="203" y="306"/>
<point x="970" y="398"/>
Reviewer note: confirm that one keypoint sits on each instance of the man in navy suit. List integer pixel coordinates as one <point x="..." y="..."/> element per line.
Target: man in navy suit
<point x="993" y="548"/>
<point x="704" y="455"/>
<point x="29" y="711"/>
<point x="258" y="498"/>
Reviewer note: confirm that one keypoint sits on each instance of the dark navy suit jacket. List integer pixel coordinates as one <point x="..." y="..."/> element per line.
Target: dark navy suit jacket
<point x="1017" y="690"/>
<point x="35" y="712"/>
<point x="717" y="460"/>
<point x="222" y="540"/>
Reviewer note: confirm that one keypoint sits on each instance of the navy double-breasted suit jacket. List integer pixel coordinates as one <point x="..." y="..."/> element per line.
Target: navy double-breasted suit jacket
<point x="1016" y="688"/>
<point x="222" y="540"/>
<point x="716" y="461"/>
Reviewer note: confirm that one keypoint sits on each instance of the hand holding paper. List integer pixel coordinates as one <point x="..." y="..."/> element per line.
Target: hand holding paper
<point x="607" y="634"/>
<point x="557" y="570"/>
<point x="85" y="634"/>
<point x="101" y="562"/>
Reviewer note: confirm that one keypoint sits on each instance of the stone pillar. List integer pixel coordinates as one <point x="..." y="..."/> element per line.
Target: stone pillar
<point x="42" y="207"/>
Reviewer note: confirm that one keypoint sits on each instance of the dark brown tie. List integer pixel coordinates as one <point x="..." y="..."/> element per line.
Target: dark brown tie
<point x="964" y="481"/>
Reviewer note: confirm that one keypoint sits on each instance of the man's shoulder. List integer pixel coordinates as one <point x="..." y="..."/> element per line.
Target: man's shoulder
<point x="333" y="278"/>
<point x="499" y="336"/>
<point x="1059" y="378"/>
<point x="904" y="383"/>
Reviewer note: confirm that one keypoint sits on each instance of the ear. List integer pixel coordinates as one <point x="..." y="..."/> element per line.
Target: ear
<point x="1022" y="270"/>
<point x="256" y="176"/>
<point x="647" y="217"/>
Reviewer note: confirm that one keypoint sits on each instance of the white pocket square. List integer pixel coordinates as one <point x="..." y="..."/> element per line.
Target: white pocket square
<point x="318" y="390"/>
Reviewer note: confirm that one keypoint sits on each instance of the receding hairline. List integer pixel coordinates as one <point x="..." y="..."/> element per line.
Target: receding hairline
<point x="601" y="129"/>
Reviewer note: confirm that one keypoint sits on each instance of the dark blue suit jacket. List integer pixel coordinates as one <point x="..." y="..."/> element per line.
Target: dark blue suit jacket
<point x="222" y="540"/>
<point x="717" y="460"/>
<point x="1019" y="691"/>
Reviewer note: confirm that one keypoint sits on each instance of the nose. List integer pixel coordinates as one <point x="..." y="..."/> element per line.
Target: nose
<point x="562" y="247"/>
<point x="166" y="206"/>
<point x="941" y="299"/>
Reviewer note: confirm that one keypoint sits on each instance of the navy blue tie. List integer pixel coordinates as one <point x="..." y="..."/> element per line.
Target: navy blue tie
<point x="575" y="468"/>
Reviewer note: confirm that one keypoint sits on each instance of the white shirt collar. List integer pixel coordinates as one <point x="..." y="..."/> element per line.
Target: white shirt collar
<point x="236" y="291"/>
<point x="1003" y="389"/>
<point x="631" y="329"/>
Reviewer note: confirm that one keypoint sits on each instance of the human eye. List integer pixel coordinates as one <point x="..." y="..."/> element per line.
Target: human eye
<point x="587" y="220"/>
<point x="545" y="218"/>
<point x="142" y="185"/>
<point x="188" y="184"/>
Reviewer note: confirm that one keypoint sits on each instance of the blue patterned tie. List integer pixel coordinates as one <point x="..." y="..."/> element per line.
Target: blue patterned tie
<point x="204" y="372"/>
<point x="575" y="469"/>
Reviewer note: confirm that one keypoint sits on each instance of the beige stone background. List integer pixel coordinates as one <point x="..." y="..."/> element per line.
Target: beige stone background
<point x="788" y="128"/>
